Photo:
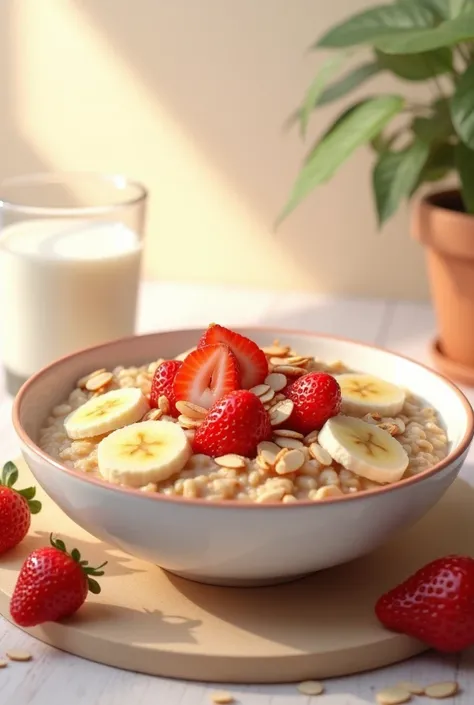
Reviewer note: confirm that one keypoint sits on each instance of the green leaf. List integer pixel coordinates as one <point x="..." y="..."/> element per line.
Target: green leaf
<point x="9" y="474"/>
<point x="416" y="41"/>
<point x="436" y="128"/>
<point x="446" y="9"/>
<point x="358" y="126"/>
<point x="75" y="555"/>
<point x="328" y="70"/>
<point x="35" y="506"/>
<point x="381" y="21"/>
<point x="417" y="67"/>
<point x="94" y="586"/>
<point x="352" y="80"/>
<point x="28" y="492"/>
<point x="394" y="176"/>
<point x="462" y="107"/>
<point x="465" y="166"/>
<point x="439" y="164"/>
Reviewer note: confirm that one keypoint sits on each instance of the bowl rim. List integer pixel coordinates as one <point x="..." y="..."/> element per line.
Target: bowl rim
<point x="461" y="448"/>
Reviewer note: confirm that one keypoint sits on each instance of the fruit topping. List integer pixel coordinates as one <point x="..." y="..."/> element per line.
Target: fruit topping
<point x="252" y="360"/>
<point x="316" y="397"/>
<point x="207" y="374"/>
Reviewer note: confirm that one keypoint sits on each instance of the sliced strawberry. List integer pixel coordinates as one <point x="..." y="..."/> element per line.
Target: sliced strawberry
<point x="207" y="374"/>
<point x="252" y="361"/>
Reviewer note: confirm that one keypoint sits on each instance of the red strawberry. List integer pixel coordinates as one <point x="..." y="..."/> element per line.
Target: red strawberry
<point x="52" y="584"/>
<point x="252" y="361"/>
<point x="162" y="384"/>
<point x="235" y="424"/>
<point x="316" y="398"/>
<point x="16" y="508"/>
<point x="206" y="375"/>
<point x="435" y="605"/>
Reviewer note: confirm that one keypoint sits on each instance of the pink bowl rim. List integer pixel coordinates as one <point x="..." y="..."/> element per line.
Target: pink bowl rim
<point x="456" y="453"/>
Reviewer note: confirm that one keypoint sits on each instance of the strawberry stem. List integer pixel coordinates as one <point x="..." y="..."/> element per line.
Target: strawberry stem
<point x="93" y="585"/>
<point x="10" y="477"/>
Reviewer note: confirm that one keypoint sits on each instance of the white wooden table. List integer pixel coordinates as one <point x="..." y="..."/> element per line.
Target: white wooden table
<point x="56" y="678"/>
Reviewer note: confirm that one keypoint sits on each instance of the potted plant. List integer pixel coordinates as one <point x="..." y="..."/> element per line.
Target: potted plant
<point x="414" y="143"/>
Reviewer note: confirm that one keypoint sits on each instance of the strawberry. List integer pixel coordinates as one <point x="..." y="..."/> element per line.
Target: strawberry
<point x="162" y="384"/>
<point x="52" y="584"/>
<point x="16" y="508"/>
<point x="316" y="397"/>
<point x="434" y="605"/>
<point x="206" y="375"/>
<point x="235" y="424"/>
<point x="252" y="361"/>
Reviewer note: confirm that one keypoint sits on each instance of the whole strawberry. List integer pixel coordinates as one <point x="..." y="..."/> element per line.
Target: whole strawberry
<point x="316" y="397"/>
<point x="435" y="605"/>
<point x="16" y="508"/>
<point x="162" y="384"/>
<point x="52" y="584"/>
<point x="234" y="424"/>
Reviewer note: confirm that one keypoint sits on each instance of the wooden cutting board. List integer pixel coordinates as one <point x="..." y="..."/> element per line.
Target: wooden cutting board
<point x="149" y="621"/>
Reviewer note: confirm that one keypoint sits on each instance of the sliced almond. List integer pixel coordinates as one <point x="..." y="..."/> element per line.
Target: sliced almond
<point x="268" y="396"/>
<point x="413" y="688"/>
<point x="288" y="442"/>
<point x="311" y="437"/>
<point x="311" y="688"/>
<point x="393" y="696"/>
<point x="192" y="411"/>
<point x="262" y="463"/>
<point x="268" y="452"/>
<point x="320" y="454"/>
<point x="164" y="404"/>
<point x="260" y="389"/>
<point x="438" y="691"/>
<point x="153" y="415"/>
<point x="281" y="412"/>
<point x="290" y="462"/>
<point x="289" y="370"/>
<point x="187" y="422"/>
<point x="83" y="380"/>
<point x="99" y="381"/>
<point x="19" y="655"/>
<point x="287" y="433"/>
<point x="222" y="697"/>
<point x="297" y="360"/>
<point x="231" y="460"/>
<point x="276" y="350"/>
<point x="276" y="381"/>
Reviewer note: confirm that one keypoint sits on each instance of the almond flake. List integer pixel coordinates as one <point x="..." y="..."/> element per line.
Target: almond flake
<point x="291" y="443"/>
<point x="276" y="350"/>
<point x="276" y="381"/>
<point x="320" y="454"/>
<point x="193" y="411"/>
<point x="186" y="422"/>
<point x="153" y="415"/>
<point x="289" y="370"/>
<point x="281" y="412"/>
<point x="287" y="433"/>
<point x="222" y="697"/>
<point x="393" y="696"/>
<point x="18" y="655"/>
<point x="441" y="690"/>
<point x="83" y="381"/>
<point x="262" y="463"/>
<point x="231" y="460"/>
<point x="99" y="381"/>
<point x="260" y="390"/>
<point x="164" y="404"/>
<point x="413" y="688"/>
<point x="311" y="437"/>
<point x="298" y="360"/>
<point x="268" y="396"/>
<point x="311" y="688"/>
<point x="3" y="663"/>
<point x="291" y="462"/>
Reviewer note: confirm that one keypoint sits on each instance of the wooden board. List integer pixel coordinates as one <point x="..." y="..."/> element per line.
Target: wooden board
<point x="149" y="621"/>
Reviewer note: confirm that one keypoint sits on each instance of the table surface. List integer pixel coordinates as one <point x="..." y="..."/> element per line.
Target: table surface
<point x="55" y="678"/>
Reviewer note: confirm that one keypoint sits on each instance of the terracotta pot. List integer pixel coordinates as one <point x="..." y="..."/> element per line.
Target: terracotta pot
<point x="447" y="232"/>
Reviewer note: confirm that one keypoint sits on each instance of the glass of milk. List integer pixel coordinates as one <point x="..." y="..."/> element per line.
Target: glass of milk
<point x="70" y="253"/>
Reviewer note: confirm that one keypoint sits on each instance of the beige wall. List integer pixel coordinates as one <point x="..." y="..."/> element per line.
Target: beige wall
<point x="190" y="96"/>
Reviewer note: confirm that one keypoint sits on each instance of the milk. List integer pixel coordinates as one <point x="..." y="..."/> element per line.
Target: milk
<point x="65" y="284"/>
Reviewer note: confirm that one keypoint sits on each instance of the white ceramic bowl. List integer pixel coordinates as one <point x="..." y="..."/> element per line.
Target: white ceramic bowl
<point x="231" y="543"/>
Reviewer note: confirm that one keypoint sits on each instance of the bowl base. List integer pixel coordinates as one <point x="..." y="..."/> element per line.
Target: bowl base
<point x="236" y="582"/>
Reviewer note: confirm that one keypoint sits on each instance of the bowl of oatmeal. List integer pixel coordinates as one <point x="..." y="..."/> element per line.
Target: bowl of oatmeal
<point x="243" y="457"/>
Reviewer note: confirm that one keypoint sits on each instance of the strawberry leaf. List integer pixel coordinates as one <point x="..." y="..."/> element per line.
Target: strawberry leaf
<point x="28" y="492"/>
<point x="58" y="543"/>
<point x="93" y="585"/>
<point x="76" y="555"/>
<point x="9" y="474"/>
<point x="35" y="506"/>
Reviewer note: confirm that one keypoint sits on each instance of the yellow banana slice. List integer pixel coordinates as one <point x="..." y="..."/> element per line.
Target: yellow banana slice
<point x="150" y="451"/>
<point x="106" y="413"/>
<point x="365" y="394"/>
<point x="365" y="449"/>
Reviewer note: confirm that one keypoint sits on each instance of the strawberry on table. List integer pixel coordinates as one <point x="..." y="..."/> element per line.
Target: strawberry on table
<point x="316" y="397"/>
<point x="162" y="384"/>
<point x="237" y="423"/>
<point x="16" y="508"/>
<point x="52" y="584"/>
<point x="434" y="605"/>
<point x="252" y="360"/>
<point x="207" y="374"/>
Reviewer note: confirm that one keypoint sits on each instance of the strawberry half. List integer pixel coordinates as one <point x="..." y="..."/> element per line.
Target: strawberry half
<point x="252" y="361"/>
<point x="206" y="375"/>
<point x="434" y="605"/>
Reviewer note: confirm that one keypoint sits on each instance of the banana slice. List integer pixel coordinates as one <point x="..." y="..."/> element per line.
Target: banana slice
<point x="150" y="451"/>
<point x="366" y="394"/>
<point x="106" y="413"/>
<point x="365" y="449"/>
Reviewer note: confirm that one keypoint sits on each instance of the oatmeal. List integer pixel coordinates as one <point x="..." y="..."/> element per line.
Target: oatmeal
<point x="293" y="461"/>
